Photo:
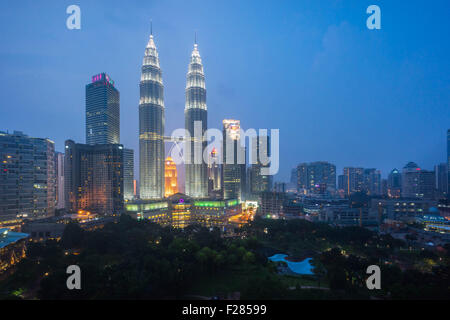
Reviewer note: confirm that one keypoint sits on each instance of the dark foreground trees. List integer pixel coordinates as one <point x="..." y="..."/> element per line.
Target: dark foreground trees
<point x="142" y="260"/>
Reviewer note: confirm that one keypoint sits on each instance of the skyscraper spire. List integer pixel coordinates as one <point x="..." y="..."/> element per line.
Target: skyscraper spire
<point x="151" y="125"/>
<point x="195" y="112"/>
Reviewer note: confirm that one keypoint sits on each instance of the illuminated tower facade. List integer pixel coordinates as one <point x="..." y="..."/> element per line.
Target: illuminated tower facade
<point x="170" y="175"/>
<point x="151" y="126"/>
<point x="195" y="113"/>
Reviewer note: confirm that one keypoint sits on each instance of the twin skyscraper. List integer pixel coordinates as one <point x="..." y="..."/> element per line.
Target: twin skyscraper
<point x="152" y="120"/>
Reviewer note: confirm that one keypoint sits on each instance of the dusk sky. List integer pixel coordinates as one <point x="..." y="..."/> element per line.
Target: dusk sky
<point x="337" y="91"/>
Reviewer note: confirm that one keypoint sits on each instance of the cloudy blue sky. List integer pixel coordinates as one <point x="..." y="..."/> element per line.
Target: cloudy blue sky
<point x="336" y="90"/>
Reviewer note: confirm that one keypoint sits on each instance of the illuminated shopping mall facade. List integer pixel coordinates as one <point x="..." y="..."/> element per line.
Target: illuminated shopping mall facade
<point x="180" y="210"/>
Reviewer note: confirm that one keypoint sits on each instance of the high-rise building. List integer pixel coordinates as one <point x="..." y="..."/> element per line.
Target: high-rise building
<point x="353" y="180"/>
<point x="384" y="187"/>
<point x="259" y="182"/>
<point x="441" y="180"/>
<point x="128" y="174"/>
<point x="342" y="183"/>
<point x="279" y="187"/>
<point x="196" y="115"/>
<point x="27" y="176"/>
<point x="214" y="174"/>
<point x="271" y="204"/>
<point x="418" y="183"/>
<point x="244" y="182"/>
<point x="316" y="177"/>
<point x="94" y="178"/>
<point x="59" y="166"/>
<point x="294" y="178"/>
<point x="170" y="175"/>
<point x="394" y="184"/>
<point x="233" y="164"/>
<point x="151" y="126"/>
<point x="372" y="182"/>
<point x="102" y="111"/>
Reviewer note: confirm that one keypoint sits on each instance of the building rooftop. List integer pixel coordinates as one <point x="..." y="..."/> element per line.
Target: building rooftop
<point x="7" y="237"/>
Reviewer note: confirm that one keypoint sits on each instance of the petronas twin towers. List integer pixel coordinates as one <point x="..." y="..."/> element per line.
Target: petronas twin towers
<point x="151" y="126"/>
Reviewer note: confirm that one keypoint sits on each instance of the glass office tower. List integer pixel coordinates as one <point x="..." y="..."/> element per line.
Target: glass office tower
<point x="102" y="111"/>
<point x="233" y="155"/>
<point x="27" y="176"/>
<point x="128" y="174"/>
<point x="93" y="178"/>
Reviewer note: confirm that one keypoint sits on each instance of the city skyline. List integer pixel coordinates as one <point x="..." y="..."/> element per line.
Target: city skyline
<point x="397" y="110"/>
<point x="234" y="151"/>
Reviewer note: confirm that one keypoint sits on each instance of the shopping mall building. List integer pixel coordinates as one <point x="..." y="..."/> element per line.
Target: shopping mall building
<point x="180" y="211"/>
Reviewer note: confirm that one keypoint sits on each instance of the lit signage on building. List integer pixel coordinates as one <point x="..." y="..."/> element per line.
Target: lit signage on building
<point x="232" y="128"/>
<point x="102" y="77"/>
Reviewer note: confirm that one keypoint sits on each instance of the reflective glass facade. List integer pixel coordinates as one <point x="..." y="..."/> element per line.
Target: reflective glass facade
<point x="102" y="111"/>
<point x="27" y="176"/>
<point x="128" y="174"/>
<point x="233" y="170"/>
<point x="94" y="178"/>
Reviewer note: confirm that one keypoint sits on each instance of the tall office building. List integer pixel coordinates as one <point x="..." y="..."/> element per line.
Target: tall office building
<point x="441" y="171"/>
<point x="372" y="182"/>
<point x="102" y="111"/>
<point x="94" y="178"/>
<point x="27" y="176"/>
<point x="342" y="183"/>
<point x="151" y="126"/>
<point x="271" y="204"/>
<point x="316" y="177"/>
<point x="259" y="182"/>
<point x="384" y="187"/>
<point x="244" y="182"/>
<point x="214" y="175"/>
<point x="353" y="180"/>
<point x="418" y="183"/>
<point x="233" y="164"/>
<point x="170" y="175"/>
<point x="128" y="174"/>
<point x="294" y="178"/>
<point x="195" y="113"/>
<point x="394" y="184"/>
<point x="59" y="166"/>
